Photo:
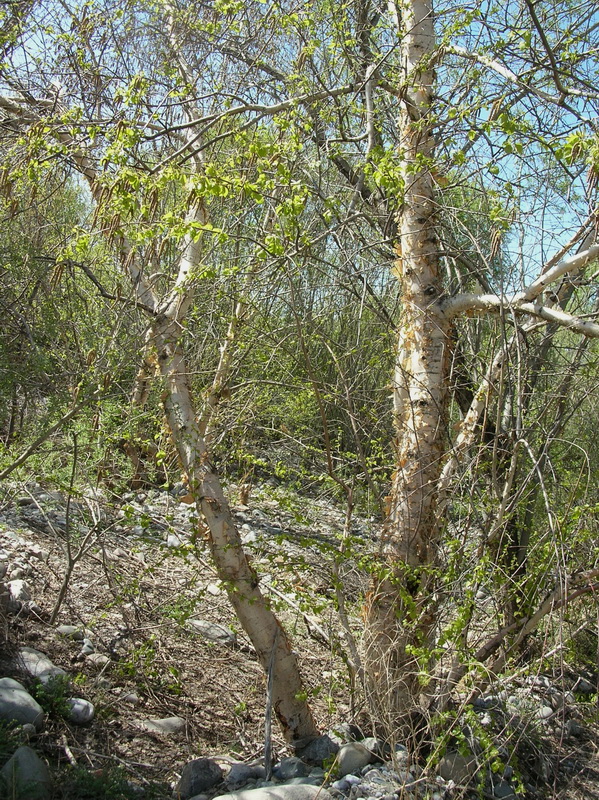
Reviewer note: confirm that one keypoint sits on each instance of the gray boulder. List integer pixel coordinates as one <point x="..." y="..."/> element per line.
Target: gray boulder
<point x="80" y="711"/>
<point x="197" y="776"/>
<point x="70" y="632"/>
<point x="457" y="768"/>
<point x="239" y="774"/>
<point x="17" y="705"/>
<point x="212" y="631"/>
<point x="165" y="726"/>
<point x="38" y="665"/>
<point x="19" y="591"/>
<point x="317" y="750"/>
<point x="504" y="791"/>
<point x="27" y="776"/>
<point x="293" y="792"/>
<point x="289" y="768"/>
<point x="352" y="757"/>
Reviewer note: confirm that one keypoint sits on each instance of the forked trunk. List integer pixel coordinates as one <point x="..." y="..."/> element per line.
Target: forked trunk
<point x="400" y="610"/>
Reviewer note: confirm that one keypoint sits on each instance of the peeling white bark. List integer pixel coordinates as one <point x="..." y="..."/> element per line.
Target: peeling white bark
<point x="234" y="570"/>
<point x="399" y="612"/>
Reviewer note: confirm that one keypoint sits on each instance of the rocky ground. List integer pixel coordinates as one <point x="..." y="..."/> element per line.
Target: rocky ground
<point x="133" y="679"/>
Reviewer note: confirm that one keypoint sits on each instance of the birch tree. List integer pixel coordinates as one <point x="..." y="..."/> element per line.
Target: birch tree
<point x="362" y="127"/>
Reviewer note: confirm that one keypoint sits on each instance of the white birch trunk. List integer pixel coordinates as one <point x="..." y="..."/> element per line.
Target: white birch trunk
<point x="234" y="570"/>
<point x="399" y="612"/>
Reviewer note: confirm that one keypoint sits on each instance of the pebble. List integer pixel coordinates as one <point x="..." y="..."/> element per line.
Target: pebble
<point x="212" y="631"/>
<point x="292" y="792"/>
<point x="70" y="632"/>
<point x="457" y="768"/>
<point x="19" y="590"/>
<point x="165" y="726"/>
<point x="503" y="790"/>
<point x="239" y="774"/>
<point x="80" y="711"/>
<point x="99" y="659"/>
<point x="318" y="750"/>
<point x="88" y="648"/>
<point x="289" y="768"/>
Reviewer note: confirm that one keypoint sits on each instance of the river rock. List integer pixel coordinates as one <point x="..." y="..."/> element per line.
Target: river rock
<point x="293" y="792"/>
<point x="80" y="711"/>
<point x="38" y="665"/>
<point x="19" y="591"/>
<point x="352" y="757"/>
<point x="17" y="705"/>
<point x="99" y="659"/>
<point x="240" y="774"/>
<point x="198" y="776"/>
<point x="317" y="750"/>
<point x="27" y="776"/>
<point x="212" y="631"/>
<point x="503" y="790"/>
<point x="289" y="768"/>
<point x="167" y="725"/>
<point x="70" y="632"/>
<point x="457" y="768"/>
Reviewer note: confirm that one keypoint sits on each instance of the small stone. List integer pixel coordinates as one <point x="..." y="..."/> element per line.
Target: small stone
<point x="70" y="632"/>
<point x="175" y="540"/>
<point x="19" y="591"/>
<point x="372" y="744"/>
<point x="99" y="659"/>
<point x="165" y="726"/>
<point x="503" y="790"/>
<point x="212" y="631"/>
<point x="38" y="665"/>
<point x="545" y="712"/>
<point x="130" y="698"/>
<point x="457" y="768"/>
<point x="88" y="647"/>
<point x="198" y="776"/>
<point x="584" y="687"/>
<point x="317" y="750"/>
<point x="27" y="776"/>
<point x="35" y="551"/>
<point x="341" y="785"/>
<point x="284" y="792"/>
<point x="352" y="757"/>
<point x="239" y="774"/>
<point x="573" y="728"/>
<point x="17" y="705"/>
<point x="248" y="536"/>
<point x="28" y="730"/>
<point x="80" y="711"/>
<point x="289" y="768"/>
